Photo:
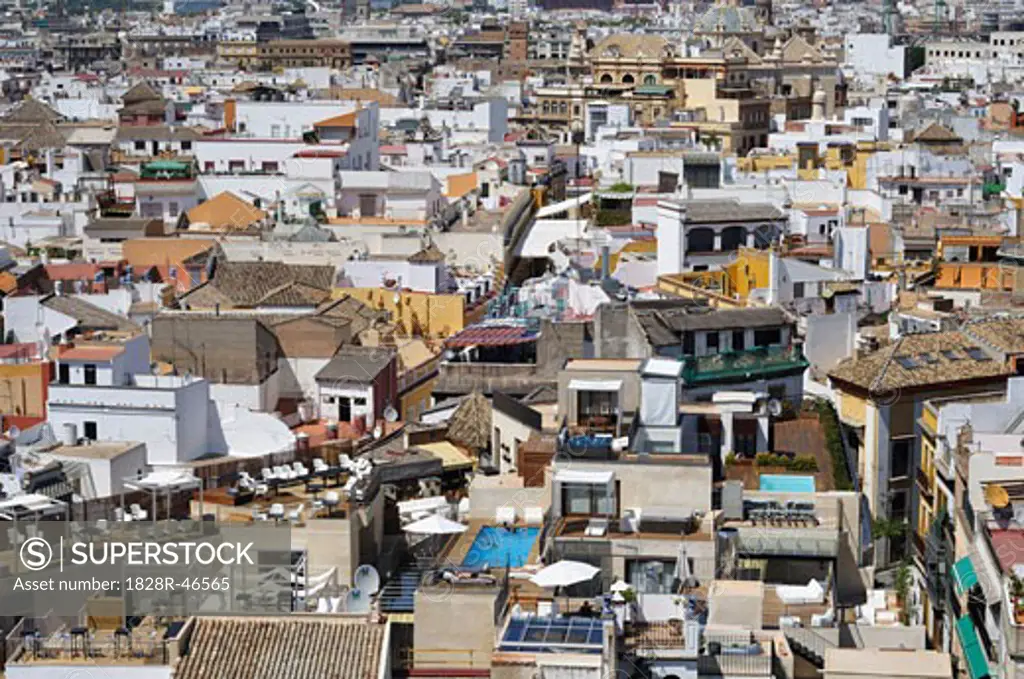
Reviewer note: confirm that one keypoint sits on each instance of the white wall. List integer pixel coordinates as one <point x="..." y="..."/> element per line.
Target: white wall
<point x="830" y="338"/>
<point x="162" y="412"/>
<point x="21" y="315"/>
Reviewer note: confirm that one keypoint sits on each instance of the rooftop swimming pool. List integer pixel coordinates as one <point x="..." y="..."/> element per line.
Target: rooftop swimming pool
<point x="787" y="483"/>
<point x="500" y="547"/>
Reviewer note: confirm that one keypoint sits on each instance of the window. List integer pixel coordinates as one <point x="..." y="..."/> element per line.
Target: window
<point x="269" y="166"/>
<point x="586" y="498"/>
<point x="798" y="290"/>
<point x="173" y="209"/>
<point x="738" y="340"/>
<point x="89" y="430"/>
<point x="209" y="166"/>
<point x="64" y="373"/>
<point x="89" y="372"/>
<point x="596" y="404"/>
<point x="359" y="401"/>
<point x="650" y="576"/>
<point x="140" y="145"/>
<point x="368" y="205"/>
<point x="900" y="454"/>
<point x="767" y="337"/>
<point x="711" y="340"/>
<point x="186" y="146"/>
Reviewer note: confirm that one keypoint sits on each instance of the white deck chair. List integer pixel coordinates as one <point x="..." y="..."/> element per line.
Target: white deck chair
<point x="505" y="515"/>
<point x="533" y="516"/>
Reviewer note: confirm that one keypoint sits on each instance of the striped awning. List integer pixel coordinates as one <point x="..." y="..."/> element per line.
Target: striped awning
<point x="974" y="654"/>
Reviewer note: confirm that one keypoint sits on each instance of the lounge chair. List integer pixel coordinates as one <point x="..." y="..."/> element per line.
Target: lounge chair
<point x="277" y="511"/>
<point x="596" y="528"/>
<point x="267" y="475"/>
<point x="505" y="515"/>
<point x="138" y="513"/>
<point x="295" y="515"/>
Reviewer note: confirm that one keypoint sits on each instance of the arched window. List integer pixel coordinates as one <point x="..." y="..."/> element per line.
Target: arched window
<point x="628" y="79"/>
<point x="546" y="107"/>
<point x="650" y="79"/>
<point x="563" y="108"/>
<point x="606" y="79"/>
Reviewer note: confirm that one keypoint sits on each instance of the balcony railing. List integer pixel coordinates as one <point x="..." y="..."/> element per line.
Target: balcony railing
<point x="749" y="364"/>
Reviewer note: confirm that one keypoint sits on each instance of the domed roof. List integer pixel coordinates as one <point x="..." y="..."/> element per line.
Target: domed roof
<point x="723" y="18"/>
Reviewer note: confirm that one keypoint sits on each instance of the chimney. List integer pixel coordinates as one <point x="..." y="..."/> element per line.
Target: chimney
<point x="606" y="264"/>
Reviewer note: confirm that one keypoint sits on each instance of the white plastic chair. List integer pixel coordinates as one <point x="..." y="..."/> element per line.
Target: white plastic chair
<point x="138" y="513"/>
<point x="295" y="515"/>
<point x="277" y="511"/>
<point x="267" y="474"/>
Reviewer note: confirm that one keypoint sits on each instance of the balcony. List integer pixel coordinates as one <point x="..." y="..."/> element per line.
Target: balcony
<point x="751" y="364"/>
<point x="925" y="484"/>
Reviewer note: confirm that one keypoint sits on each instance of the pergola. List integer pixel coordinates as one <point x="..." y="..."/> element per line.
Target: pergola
<point x="168" y="482"/>
<point x="31" y="507"/>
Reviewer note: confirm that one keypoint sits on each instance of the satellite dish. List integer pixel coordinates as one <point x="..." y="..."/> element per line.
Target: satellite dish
<point x="357" y="602"/>
<point x="366" y="579"/>
<point x="774" y="407"/>
<point x="390" y="414"/>
<point x="378" y="431"/>
<point x="997" y="496"/>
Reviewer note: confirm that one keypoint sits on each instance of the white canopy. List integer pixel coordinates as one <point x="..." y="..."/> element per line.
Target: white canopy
<point x="163" y="479"/>
<point x="435" y="525"/>
<point x="602" y="478"/>
<point x="564" y="573"/>
<point x="620" y="586"/>
<point x="595" y="385"/>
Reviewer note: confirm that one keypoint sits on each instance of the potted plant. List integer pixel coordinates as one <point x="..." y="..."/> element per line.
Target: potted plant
<point x="1017" y="596"/>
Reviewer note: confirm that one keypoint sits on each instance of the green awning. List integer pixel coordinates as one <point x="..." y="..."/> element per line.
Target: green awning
<point x="977" y="662"/>
<point x="964" y="575"/>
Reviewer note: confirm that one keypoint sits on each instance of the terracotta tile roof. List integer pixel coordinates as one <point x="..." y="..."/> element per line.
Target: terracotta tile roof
<point x="98" y="353"/>
<point x="225" y="212"/>
<point x="491" y="336"/>
<point x="89" y="316"/>
<point x="282" y="648"/>
<point x="72" y="271"/>
<point x="920" y="361"/>
<point x="461" y="184"/>
<point x="252" y="284"/>
<point x="428" y="255"/>
<point x="344" y="120"/>
<point x="1005" y="335"/>
<point x="22" y="350"/>
<point x="142" y="252"/>
<point x="8" y="282"/>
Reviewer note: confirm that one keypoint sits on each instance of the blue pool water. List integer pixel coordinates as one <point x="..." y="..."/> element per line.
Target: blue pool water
<point x="499" y="547"/>
<point x="786" y="483"/>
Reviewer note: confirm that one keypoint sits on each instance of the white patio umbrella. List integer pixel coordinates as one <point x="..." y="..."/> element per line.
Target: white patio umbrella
<point x="683" y="574"/>
<point x="435" y="525"/>
<point x="564" y="573"/>
<point x="620" y="586"/>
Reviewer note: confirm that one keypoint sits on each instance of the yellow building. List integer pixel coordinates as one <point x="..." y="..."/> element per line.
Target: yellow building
<point x="881" y="401"/>
<point x="728" y="286"/>
<point x="417" y="314"/>
<point x="240" y="53"/>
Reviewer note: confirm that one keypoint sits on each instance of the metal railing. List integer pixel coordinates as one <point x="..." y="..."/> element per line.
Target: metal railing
<point x="757" y="361"/>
